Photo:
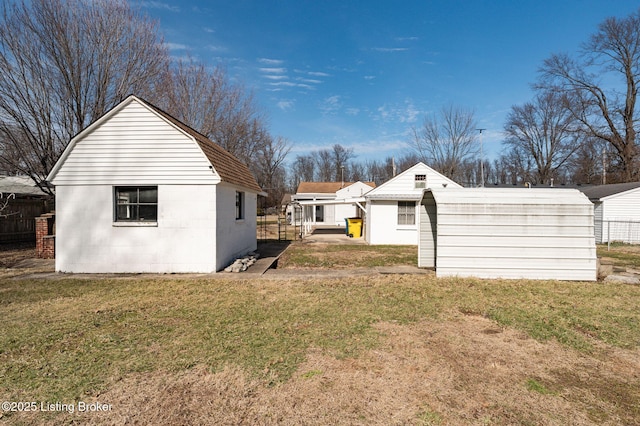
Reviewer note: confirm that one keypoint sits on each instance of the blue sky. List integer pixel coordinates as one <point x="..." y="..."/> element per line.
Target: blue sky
<point x="362" y="73"/>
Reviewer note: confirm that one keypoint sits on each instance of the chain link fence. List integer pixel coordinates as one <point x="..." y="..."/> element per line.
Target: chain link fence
<point x="625" y="231"/>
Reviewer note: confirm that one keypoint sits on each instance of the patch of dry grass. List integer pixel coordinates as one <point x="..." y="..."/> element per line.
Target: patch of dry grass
<point x="359" y="350"/>
<point x="301" y="255"/>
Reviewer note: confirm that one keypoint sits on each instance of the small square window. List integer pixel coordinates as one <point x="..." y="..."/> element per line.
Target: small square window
<point x="136" y="203"/>
<point x="406" y="212"/>
<point x="420" y="181"/>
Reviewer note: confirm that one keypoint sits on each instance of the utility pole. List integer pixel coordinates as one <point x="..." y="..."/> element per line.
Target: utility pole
<point x="481" y="158"/>
<point x="604" y="167"/>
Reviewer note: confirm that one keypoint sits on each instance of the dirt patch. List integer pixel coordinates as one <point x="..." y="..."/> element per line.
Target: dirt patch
<point x="12" y="254"/>
<point x="466" y="370"/>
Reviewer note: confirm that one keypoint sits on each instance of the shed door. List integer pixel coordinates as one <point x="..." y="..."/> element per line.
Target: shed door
<point x="428" y="232"/>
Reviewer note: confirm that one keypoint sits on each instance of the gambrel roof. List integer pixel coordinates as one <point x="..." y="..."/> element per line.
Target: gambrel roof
<point x="228" y="168"/>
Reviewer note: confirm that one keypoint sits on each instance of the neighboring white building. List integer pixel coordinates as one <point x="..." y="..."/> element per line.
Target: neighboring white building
<point x="508" y="233"/>
<point x="616" y="211"/>
<point x="392" y="208"/>
<point x="139" y="191"/>
<point x="330" y="203"/>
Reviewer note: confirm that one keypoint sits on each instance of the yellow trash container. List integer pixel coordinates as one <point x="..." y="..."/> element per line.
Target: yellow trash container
<point x="355" y="227"/>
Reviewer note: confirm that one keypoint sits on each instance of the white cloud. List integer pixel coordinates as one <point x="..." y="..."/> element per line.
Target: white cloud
<point x="331" y="105"/>
<point x="318" y="74"/>
<point x="274" y="70"/>
<point x="276" y="77"/>
<point x="270" y="61"/>
<point x="390" y="49"/>
<point x="176" y="46"/>
<point x="352" y="111"/>
<point x="309" y="80"/>
<point x="404" y="113"/>
<point x="208" y="30"/>
<point x="159" y="5"/>
<point x="290" y="84"/>
<point x="285" y="104"/>
<point x="369" y="77"/>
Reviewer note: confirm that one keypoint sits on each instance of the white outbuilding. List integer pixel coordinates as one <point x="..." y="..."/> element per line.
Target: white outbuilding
<point x="508" y="233"/>
<point x="392" y="208"/>
<point x="616" y="211"/>
<point x="139" y="191"/>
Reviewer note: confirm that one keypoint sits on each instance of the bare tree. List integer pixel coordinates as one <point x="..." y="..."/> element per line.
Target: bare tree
<point x="608" y="114"/>
<point x="207" y="101"/>
<point x="543" y="130"/>
<point x="4" y="204"/>
<point x="341" y="157"/>
<point x="446" y="140"/>
<point x="302" y="170"/>
<point x="325" y="164"/>
<point x="63" y="64"/>
<point x="270" y="168"/>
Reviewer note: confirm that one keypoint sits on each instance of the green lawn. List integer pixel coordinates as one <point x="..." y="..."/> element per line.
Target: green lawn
<point x="64" y="339"/>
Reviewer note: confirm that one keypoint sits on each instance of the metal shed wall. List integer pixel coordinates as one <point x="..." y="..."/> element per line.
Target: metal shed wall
<point x="508" y="233"/>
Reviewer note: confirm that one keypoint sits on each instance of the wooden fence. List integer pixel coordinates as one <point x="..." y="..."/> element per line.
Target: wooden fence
<point x="17" y="221"/>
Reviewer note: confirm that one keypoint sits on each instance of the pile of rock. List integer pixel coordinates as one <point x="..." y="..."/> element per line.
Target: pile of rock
<point x="242" y="263"/>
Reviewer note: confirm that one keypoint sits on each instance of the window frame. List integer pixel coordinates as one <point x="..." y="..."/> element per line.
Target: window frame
<point x="406" y="210"/>
<point x="420" y="181"/>
<point x="240" y="205"/>
<point x="135" y="220"/>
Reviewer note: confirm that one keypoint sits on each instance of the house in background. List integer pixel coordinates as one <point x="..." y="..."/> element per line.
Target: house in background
<point x="392" y="208"/>
<point x="616" y="211"/>
<point x="507" y="233"/>
<point x="330" y="203"/>
<point x="21" y="201"/>
<point x="139" y="191"/>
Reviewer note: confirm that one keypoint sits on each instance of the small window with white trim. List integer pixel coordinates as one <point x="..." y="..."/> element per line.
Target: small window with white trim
<point x="406" y="212"/>
<point x="136" y="203"/>
<point x="420" y="181"/>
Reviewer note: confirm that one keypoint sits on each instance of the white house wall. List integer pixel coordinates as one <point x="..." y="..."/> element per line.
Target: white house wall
<point x="234" y="237"/>
<point x="382" y="205"/>
<point x="135" y="147"/>
<point x="89" y="241"/>
<point x="382" y="225"/>
<point x="619" y="214"/>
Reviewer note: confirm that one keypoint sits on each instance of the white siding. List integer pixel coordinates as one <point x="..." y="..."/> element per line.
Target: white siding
<point x="382" y="205"/>
<point x="135" y="147"/>
<point x="599" y="227"/>
<point x="234" y="237"/>
<point x="427" y="232"/>
<point x="404" y="183"/>
<point x="621" y="217"/>
<point x="512" y="233"/>
<point x="382" y="225"/>
<point x="88" y="240"/>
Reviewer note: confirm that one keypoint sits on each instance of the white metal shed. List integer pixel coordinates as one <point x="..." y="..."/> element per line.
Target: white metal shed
<point x="507" y="233"/>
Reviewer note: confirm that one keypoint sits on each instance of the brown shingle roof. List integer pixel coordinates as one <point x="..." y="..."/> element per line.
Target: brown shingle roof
<point x="325" y="187"/>
<point x="230" y="169"/>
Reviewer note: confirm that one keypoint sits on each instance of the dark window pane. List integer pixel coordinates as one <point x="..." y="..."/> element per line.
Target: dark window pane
<point x="149" y="213"/>
<point x="148" y="195"/>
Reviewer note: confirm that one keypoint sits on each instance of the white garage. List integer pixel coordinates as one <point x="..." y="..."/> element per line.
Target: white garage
<point x="508" y="233"/>
<point x="616" y="211"/>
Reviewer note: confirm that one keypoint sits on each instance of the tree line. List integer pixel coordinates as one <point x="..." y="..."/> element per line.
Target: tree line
<point x="64" y="63"/>
<point x="580" y="127"/>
